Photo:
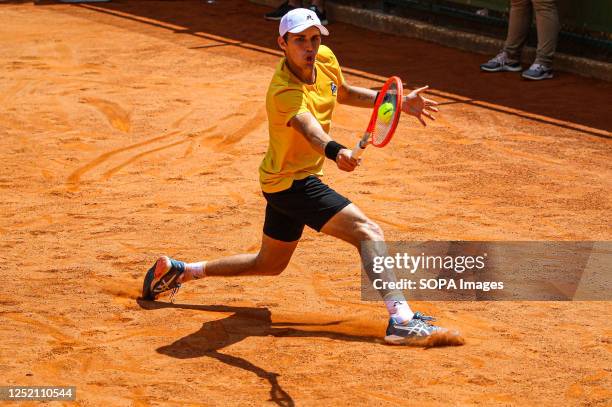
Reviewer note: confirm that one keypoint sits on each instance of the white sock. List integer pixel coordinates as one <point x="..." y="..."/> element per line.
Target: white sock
<point x="399" y="310"/>
<point x="196" y="270"/>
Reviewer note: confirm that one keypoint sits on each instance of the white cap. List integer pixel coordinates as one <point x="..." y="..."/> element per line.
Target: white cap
<point x="299" y="19"/>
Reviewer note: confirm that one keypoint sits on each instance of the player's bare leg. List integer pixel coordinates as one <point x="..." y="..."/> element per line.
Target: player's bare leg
<point x="354" y="227"/>
<point x="272" y="258"/>
<point x="405" y="327"/>
<point x="168" y="274"/>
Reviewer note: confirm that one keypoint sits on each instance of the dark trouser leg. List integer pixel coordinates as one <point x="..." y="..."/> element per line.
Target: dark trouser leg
<point x="518" y="28"/>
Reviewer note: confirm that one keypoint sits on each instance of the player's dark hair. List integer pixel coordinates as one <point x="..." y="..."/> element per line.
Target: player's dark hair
<point x="286" y="37"/>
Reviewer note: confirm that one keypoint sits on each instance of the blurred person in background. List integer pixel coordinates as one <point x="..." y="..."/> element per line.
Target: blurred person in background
<point x="318" y="6"/>
<point x="547" y="25"/>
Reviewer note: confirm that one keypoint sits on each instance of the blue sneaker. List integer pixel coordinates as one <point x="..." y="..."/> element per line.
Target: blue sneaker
<point x="537" y="72"/>
<point x="279" y="12"/>
<point x="162" y="277"/>
<point x="321" y="14"/>
<point x="419" y="332"/>
<point x="501" y="62"/>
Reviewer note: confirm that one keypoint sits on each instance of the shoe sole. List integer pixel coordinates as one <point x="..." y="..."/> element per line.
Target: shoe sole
<point x="157" y="274"/>
<point x="502" y="69"/>
<point x="146" y="286"/>
<point x="400" y="340"/>
<point x="533" y="78"/>
<point x="446" y="338"/>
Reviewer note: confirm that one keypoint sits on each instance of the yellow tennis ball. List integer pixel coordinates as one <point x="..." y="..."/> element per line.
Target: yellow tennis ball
<point x="385" y="112"/>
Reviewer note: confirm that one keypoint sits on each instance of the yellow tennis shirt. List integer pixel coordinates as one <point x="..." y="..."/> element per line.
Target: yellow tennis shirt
<point x="290" y="156"/>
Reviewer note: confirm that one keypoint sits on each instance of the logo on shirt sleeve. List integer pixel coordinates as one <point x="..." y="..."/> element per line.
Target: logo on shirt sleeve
<point x="334" y="89"/>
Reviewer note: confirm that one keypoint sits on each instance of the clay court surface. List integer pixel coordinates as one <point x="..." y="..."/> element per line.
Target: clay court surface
<point x="135" y="128"/>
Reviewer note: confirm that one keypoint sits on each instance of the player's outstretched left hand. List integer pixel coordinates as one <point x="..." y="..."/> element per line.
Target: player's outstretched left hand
<point x="418" y="106"/>
<point x="345" y="161"/>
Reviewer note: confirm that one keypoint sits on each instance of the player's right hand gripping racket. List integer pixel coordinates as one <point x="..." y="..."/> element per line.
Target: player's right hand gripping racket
<point x="386" y="114"/>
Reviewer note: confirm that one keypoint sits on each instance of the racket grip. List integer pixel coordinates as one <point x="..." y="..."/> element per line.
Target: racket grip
<point x="357" y="150"/>
<point x="360" y="147"/>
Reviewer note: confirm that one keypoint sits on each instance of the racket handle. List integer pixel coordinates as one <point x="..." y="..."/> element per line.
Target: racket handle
<point x="360" y="147"/>
<point x="357" y="151"/>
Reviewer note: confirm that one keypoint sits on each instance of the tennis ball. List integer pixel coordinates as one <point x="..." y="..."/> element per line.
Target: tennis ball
<point x="385" y="112"/>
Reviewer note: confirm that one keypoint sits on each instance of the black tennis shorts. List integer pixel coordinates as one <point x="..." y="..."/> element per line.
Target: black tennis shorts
<point x="308" y="202"/>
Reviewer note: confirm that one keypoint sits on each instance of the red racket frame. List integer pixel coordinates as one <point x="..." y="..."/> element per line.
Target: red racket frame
<point x="367" y="137"/>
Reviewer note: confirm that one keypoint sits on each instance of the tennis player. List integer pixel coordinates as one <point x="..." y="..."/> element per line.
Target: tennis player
<point x="300" y="101"/>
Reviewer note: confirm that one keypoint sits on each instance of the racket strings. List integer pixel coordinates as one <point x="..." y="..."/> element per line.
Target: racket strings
<point x="386" y="118"/>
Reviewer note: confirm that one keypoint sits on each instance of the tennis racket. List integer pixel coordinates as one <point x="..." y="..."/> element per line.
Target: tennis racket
<point x="386" y="114"/>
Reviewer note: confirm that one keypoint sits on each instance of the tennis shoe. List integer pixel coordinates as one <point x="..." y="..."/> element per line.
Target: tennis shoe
<point x="420" y="332"/>
<point x="163" y="276"/>
<point x="321" y="14"/>
<point x="501" y="62"/>
<point x="537" y="72"/>
<point x="279" y="12"/>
